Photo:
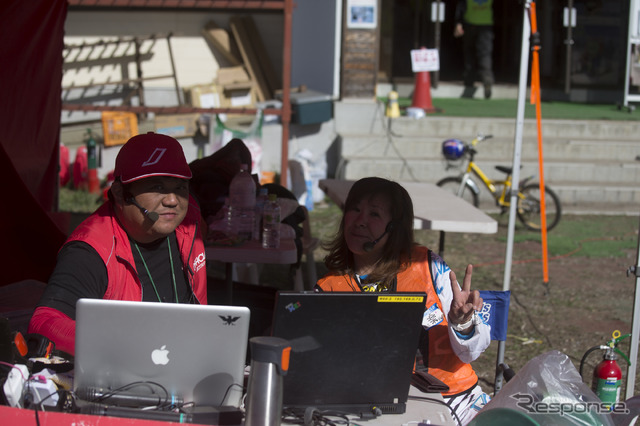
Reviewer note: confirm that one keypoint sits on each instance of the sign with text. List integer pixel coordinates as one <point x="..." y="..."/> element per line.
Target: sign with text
<point x="425" y="60"/>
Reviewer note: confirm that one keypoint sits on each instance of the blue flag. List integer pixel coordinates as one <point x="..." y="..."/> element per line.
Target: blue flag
<point x="495" y="312"/>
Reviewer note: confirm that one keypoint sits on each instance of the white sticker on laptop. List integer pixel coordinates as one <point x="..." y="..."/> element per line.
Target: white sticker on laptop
<point x="432" y="316"/>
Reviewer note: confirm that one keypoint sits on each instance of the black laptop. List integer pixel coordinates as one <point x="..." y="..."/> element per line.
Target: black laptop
<point x="351" y="352"/>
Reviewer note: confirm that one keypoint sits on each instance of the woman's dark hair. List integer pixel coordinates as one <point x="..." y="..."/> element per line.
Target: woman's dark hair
<point x="397" y="249"/>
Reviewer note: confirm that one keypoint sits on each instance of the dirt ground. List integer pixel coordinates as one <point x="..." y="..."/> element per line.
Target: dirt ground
<point x="584" y="301"/>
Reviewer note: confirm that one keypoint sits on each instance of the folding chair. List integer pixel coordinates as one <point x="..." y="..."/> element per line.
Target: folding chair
<point x="495" y="312"/>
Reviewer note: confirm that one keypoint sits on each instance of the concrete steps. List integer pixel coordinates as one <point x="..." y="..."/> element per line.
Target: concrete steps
<point x="591" y="165"/>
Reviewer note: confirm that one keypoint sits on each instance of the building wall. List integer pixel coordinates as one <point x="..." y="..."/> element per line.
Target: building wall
<point x="315" y="48"/>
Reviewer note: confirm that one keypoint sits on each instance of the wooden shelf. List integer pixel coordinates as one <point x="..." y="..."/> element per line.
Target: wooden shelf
<point x="284" y="6"/>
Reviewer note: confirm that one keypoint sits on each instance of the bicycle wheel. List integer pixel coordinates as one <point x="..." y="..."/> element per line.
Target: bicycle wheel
<point x="529" y="207"/>
<point x="452" y="184"/>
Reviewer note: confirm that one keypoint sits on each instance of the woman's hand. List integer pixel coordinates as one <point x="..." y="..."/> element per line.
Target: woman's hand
<point x="465" y="302"/>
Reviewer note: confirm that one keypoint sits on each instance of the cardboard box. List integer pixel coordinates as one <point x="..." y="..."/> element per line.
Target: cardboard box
<point x="205" y="96"/>
<point x="231" y="75"/>
<point x="232" y="95"/>
<point x="238" y="95"/>
<point x="178" y="125"/>
<point x="311" y="107"/>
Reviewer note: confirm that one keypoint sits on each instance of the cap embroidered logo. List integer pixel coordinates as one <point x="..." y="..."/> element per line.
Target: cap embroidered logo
<point x="155" y="157"/>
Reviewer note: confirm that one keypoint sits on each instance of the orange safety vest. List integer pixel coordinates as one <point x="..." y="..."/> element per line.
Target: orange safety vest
<point x="442" y="360"/>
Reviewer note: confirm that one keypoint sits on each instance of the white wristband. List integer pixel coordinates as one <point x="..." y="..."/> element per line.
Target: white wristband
<point x="475" y="320"/>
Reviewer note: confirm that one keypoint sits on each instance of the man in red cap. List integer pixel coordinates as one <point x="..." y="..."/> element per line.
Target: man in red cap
<point x="143" y="244"/>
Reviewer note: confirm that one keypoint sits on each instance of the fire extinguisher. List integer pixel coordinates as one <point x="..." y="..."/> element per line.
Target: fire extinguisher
<point x="92" y="163"/>
<point x="607" y="376"/>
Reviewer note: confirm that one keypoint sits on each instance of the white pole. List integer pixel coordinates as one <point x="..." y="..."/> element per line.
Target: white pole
<point x="635" y="332"/>
<point x="522" y="95"/>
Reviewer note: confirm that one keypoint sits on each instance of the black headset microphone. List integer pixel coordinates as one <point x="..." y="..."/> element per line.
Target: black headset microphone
<point x="369" y="245"/>
<point x="152" y="216"/>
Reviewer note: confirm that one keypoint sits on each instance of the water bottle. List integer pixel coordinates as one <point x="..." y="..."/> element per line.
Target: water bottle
<point x="261" y="200"/>
<point x="242" y="203"/>
<point x="271" y="223"/>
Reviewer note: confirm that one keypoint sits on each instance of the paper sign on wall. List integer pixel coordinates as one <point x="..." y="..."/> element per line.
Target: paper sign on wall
<point x="362" y="14"/>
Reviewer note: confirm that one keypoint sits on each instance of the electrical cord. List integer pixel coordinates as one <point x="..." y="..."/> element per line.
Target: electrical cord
<point x="164" y="402"/>
<point x="311" y="416"/>
<point x="228" y="390"/>
<point x="426" y="398"/>
<point x="531" y="321"/>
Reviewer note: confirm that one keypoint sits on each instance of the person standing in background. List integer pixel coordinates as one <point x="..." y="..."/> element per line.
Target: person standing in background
<point x="474" y="23"/>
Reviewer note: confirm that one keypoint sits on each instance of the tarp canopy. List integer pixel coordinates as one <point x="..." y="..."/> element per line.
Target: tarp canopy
<point x="31" y="41"/>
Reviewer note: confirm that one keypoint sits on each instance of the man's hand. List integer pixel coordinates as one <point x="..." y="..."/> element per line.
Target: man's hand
<point x="458" y="31"/>
<point x="465" y="301"/>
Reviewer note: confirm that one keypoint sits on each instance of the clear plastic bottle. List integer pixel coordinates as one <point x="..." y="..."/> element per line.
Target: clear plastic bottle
<point x="227" y="213"/>
<point x="242" y="204"/>
<point x="261" y="200"/>
<point x="271" y="223"/>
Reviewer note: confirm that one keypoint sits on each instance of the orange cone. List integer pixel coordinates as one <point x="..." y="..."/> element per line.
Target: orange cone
<point x="422" y="92"/>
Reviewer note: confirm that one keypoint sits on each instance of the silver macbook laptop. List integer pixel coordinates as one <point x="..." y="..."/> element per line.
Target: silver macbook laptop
<point x="196" y="352"/>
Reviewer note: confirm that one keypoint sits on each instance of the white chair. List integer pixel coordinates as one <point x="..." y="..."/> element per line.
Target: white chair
<point x="297" y="181"/>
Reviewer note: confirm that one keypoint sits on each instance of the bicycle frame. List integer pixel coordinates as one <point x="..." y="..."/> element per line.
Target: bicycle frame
<point x="501" y="199"/>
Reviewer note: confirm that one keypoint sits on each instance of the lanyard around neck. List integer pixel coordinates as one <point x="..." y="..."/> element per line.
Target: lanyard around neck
<point x="173" y="274"/>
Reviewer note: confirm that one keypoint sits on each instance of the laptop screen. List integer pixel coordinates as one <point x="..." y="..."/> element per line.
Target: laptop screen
<point x="350" y="352"/>
<point x="196" y="352"/>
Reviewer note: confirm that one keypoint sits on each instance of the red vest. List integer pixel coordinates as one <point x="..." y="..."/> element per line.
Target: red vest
<point x="104" y="233"/>
<point x="443" y="362"/>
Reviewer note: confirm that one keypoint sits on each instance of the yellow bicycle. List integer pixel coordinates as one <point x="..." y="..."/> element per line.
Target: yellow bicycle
<point x="528" y="208"/>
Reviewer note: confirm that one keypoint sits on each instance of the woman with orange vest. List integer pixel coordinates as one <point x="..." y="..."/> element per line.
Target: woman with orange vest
<point x="374" y="251"/>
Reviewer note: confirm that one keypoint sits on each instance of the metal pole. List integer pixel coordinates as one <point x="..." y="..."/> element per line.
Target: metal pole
<point x="438" y="29"/>
<point x="173" y="70"/>
<point x="632" y="19"/>
<point x="140" y="87"/>
<point x="635" y="331"/>
<point x="285" y="118"/>
<point x="569" y="43"/>
<point x="522" y="95"/>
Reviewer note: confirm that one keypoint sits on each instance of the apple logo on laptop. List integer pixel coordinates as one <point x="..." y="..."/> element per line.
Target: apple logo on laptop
<point x="160" y="356"/>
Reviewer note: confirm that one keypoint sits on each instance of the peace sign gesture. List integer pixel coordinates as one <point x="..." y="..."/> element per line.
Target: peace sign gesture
<point x="465" y="302"/>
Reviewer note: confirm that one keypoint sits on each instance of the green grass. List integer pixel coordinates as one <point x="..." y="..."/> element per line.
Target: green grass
<point x="587" y="236"/>
<point x="507" y="108"/>
<point x="77" y="201"/>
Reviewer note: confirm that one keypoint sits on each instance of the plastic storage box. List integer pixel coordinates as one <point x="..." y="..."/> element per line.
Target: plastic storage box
<point x="118" y="127"/>
<point x="311" y="107"/>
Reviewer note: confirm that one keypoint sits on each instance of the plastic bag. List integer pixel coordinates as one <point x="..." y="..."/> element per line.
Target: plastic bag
<point x="313" y="170"/>
<point x="550" y="390"/>
<point x="252" y="138"/>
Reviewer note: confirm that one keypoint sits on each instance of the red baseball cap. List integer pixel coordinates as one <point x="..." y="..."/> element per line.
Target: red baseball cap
<point x="151" y="154"/>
